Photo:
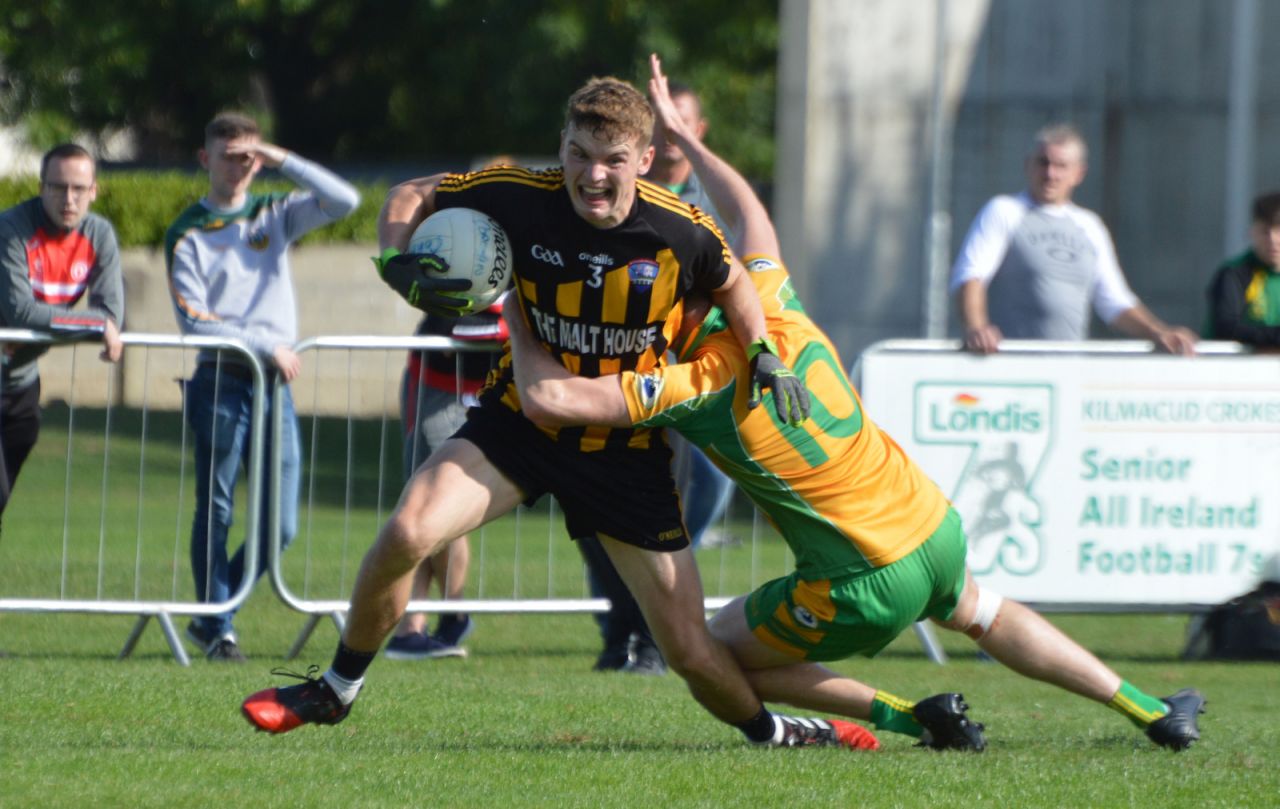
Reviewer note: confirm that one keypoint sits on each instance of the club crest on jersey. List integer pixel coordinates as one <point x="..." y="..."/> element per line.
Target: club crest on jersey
<point x="79" y="271"/>
<point x="649" y="387"/>
<point x="642" y="273"/>
<point x="804" y="617"/>
<point x="762" y="265"/>
<point x="259" y="240"/>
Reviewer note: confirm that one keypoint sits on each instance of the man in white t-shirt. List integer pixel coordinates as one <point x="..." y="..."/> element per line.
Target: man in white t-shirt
<point x="1032" y="264"/>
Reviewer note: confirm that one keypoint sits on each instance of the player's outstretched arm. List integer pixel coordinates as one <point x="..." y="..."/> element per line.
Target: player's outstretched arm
<point x="736" y="202"/>
<point x="550" y="395"/>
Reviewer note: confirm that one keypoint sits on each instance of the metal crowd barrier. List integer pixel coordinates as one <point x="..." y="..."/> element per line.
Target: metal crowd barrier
<point x="522" y="563"/>
<point x="100" y="568"/>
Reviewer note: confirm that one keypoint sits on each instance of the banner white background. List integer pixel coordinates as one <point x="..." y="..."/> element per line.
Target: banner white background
<point x="1096" y="479"/>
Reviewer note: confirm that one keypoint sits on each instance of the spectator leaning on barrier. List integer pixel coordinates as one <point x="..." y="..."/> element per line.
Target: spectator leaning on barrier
<point x="229" y="276"/>
<point x="54" y="250"/>
<point x="1032" y="263"/>
<point x="1244" y="296"/>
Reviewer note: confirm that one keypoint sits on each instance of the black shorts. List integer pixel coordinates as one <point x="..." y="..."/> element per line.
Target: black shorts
<point x="626" y="494"/>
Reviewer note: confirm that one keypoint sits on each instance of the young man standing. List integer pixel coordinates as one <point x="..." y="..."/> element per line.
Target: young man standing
<point x="603" y="262"/>
<point x="52" y="251"/>
<point x="229" y="275"/>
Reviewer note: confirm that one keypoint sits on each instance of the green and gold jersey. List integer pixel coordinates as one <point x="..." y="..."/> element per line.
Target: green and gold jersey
<point x="844" y="496"/>
<point x="600" y="300"/>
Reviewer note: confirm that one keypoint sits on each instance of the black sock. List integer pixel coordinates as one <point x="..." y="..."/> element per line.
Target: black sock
<point x="350" y="664"/>
<point x="758" y="728"/>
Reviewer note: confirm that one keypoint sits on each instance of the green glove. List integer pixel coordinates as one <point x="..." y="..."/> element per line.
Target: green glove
<point x="415" y="276"/>
<point x="790" y="398"/>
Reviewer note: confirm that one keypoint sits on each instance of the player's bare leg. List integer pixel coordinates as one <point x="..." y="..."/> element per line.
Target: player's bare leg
<point x="669" y="592"/>
<point x="1023" y="640"/>
<point x="456" y="491"/>
<point x="779" y="677"/>
<point x="447" y="570"/>
<point x="940" y="722"/>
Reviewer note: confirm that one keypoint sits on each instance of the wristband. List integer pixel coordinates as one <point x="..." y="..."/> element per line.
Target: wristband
<point x="380" y="260"/>
<point x="762" y="346"/>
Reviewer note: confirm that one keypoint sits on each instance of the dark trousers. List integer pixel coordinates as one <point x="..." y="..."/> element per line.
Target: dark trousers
<point x="19" y="428"/>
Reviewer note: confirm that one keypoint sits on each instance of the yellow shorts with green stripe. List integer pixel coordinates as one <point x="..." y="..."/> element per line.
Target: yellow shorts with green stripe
<point x="831" y="619"/>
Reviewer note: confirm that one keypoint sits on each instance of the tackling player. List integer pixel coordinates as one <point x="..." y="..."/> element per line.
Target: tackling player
<point x="877" y="545"/>
<point x="602" y="263"/>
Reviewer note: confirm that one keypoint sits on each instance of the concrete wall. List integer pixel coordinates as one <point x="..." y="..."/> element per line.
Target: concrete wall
<point x="339" y="293"/>
<point x="1147" y="82"/>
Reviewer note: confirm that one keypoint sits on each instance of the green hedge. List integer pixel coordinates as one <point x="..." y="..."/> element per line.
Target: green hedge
<point x="142" y="204"/>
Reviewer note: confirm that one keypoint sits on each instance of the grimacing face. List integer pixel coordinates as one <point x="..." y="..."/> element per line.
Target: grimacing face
<point x="600" y="175"/>
<point x="67" y="190"/>
<point x="1054" y="171"/>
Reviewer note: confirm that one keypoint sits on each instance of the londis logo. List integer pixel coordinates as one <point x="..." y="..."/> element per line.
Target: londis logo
<point x="966" y="413"/>
<point x="972" y="410"/>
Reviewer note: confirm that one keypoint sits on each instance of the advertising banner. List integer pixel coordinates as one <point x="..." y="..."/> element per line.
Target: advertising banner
<point x="1096" y="479"/>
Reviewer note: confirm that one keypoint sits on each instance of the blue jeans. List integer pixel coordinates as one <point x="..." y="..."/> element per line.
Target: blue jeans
<point x="222" y="444"/>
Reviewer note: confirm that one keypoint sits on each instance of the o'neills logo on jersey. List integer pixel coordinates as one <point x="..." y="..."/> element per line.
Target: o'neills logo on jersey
<point x="577" y="337"/>
<point x="948" y="410"/>
<point x="642" y="273"/>
<point x="762" y="265"/>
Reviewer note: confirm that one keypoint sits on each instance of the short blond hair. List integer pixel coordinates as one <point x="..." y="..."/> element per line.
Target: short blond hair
<point x="610" y="108"/>
<point x="1058" y="135"/>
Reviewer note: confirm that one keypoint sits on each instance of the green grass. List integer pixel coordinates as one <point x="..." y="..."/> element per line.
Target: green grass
<point x="523" y="721"/>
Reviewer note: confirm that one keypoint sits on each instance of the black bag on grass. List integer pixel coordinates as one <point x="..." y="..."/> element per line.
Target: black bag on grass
<point x="1244" y="628"/>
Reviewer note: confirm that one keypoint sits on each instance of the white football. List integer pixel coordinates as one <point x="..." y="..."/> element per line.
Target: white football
<point x="473" y="245"/>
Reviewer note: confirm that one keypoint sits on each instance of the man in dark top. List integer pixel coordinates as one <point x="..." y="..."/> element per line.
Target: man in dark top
<point x="1244" y="296"/>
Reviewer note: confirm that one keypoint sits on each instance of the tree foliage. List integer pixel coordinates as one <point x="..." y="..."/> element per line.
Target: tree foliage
<point x="376" y="80"/>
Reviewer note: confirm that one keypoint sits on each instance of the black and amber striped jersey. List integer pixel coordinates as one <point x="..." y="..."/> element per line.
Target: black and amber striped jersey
<point x="602" y="301"/>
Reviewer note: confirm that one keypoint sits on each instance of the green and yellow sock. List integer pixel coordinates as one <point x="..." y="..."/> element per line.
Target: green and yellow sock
<point x="1139" y="707"/>
<point x="894" y="715"/>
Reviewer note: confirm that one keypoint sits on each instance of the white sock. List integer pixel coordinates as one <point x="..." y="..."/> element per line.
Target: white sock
<point x="344" y="688"/>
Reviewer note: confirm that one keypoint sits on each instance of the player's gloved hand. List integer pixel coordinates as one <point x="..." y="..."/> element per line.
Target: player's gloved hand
<point x="767" y="371"/>
<point x="410" y="274"/>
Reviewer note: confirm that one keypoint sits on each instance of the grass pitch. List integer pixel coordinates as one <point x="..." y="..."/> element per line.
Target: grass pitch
<point x="523" y="721"/>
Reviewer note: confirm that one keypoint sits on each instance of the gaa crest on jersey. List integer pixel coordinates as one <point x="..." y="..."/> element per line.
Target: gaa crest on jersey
<point x="804" y="617"/>
<point x="649" y="386"/>
<point x="642" y="273"/>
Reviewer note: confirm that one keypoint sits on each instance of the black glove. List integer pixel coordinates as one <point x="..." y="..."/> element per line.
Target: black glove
<point x="767" y="371"/>
<point x="410" y="274"/>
